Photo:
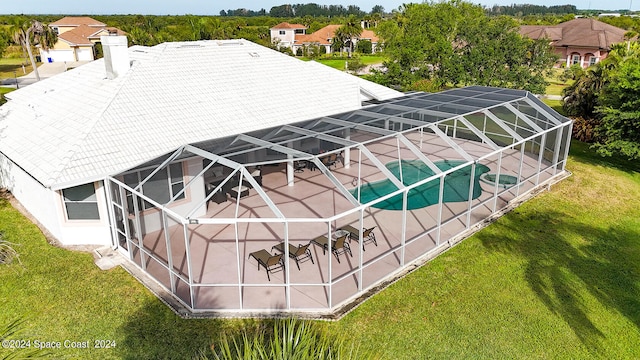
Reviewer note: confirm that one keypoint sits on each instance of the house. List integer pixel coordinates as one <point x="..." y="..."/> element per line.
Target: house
<point x="78" y="39"/>
<point x="284" y="33"/>
<point x="207" y="167"/>
<point x="581" y="41"/>
<point x="297" y="39"/>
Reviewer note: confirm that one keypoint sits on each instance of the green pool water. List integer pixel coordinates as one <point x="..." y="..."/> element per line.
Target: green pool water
<point x="456" y="185"/>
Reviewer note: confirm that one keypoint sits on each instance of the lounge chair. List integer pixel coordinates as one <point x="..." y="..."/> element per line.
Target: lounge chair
<point x="338" y="246"/>
<point x="271" y="263"/>
<point x="300" y="253"/>
<point x="367" y="235"/>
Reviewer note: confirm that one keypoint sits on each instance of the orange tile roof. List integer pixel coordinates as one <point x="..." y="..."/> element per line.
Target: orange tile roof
<point x="324" y="36"/>
<point x="77" y="21"/>
<point x="286" y="25"/>
<point x="79" y="35"/>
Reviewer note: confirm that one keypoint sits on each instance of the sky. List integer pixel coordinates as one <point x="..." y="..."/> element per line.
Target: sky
<point x="213" y="7"/>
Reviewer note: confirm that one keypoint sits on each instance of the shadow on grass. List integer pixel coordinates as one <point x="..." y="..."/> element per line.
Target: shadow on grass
<point x="565" y="257"/>
<point x="583" y="153"/>
<point x="155" y="332"/>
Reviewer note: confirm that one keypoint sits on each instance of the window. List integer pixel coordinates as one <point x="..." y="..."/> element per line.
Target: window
<point x="593" y="60"/>
<point x="55" y="30"/>
<point x="281" y="32"/>
<point x="80" y="202"/>
<point x="161" y="187"/>
<point x="575" y="59"/>
<point x="299" y="31"/>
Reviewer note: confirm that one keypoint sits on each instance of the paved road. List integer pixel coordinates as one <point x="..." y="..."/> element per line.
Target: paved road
<point x="45" y="70"/>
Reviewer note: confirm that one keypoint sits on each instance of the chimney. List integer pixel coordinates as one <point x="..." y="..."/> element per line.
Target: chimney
<point x="116" y="56"/>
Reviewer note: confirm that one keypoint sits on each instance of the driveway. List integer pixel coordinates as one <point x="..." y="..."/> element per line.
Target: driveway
<point x="45" y="70"/>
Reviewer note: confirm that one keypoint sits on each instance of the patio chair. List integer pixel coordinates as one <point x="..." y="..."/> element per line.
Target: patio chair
<point x="367" y="235"/>
<point x="299" y="166"/>
<point x="271" y="263"/>
<point x="299" y="254"/>
<point x="338" y="246"/>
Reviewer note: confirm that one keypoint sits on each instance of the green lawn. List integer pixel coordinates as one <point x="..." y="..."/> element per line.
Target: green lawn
<point x="559" y="277"/>
<point x="340" y="63"/>
<point x="9" y="65"/>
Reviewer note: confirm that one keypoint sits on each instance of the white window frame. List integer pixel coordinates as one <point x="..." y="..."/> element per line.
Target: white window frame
<point x="575" y="61"/>
<point x="593" y="60"/>
<point x="282" y="32"/>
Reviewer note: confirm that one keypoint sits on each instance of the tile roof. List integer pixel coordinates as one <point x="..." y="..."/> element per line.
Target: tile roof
<point x="77" y="21"/>
<point x="79" y="126"/>
<point x="79" y="35"/>
<point x="581" y="32"/>
<point x="324" y="36"/>
<point x="286" y="25"/>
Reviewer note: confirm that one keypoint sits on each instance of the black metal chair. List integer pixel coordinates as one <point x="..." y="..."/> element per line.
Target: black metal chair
<point x="271" y="263"/>
<point x="299" y="254"/>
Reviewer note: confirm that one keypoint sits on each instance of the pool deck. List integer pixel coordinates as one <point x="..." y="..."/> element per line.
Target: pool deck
<point x="219" y="263"/>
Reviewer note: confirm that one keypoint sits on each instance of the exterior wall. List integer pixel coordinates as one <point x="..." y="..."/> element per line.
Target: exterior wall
<point x="38" y="200"/>
<point x="85" y="232"/>
<point x="286" y="40"/>
<point x="64" y="29"/>
<point x="566" y="55"/>
<point x="47" y="207"/>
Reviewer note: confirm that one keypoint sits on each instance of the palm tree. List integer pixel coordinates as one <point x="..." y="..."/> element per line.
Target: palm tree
<point x="350" y="29"/>
<point x="27" y="32"/>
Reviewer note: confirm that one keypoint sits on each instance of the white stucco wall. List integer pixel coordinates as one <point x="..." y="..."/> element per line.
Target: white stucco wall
<point x="47" y="207"/>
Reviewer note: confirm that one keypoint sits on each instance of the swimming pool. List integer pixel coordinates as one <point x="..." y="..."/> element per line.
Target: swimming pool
<point x="456" y="185"/>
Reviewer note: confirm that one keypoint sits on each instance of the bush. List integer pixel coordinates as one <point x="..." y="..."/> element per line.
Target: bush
<point x="287" y="339"/>
<point x="364" y="47"/>
<point x="584" y="129"/>
<point x="7" y="253"/>
<point x="354" y="64"/>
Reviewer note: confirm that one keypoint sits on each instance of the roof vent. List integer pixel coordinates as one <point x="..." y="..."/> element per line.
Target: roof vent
<point x="254" y="54"/>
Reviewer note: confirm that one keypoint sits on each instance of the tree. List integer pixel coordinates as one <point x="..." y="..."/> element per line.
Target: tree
<point x="33" y="32"/>
<point x="454" y="43"/>
<point x="350" y="30"/>
<point x="4" y="41"/>
<point x="619" y="128"/>
<point x="364" y="46"/>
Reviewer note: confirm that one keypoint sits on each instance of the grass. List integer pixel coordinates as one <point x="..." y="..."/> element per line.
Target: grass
<point x="556" y="85"/>
<point x="559" y="277"/>
<point x="340" y="63"/>
<point x="9" y="65"/>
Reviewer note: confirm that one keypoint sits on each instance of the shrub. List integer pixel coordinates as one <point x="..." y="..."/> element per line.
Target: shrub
<point x="287" y="339"/>
<point x="354" y="64"/>
<point x="7" y="253"/>
<point x="364" y="46"/>
<point x="584" y="129"/>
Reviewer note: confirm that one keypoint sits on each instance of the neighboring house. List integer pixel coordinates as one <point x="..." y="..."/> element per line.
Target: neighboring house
<point x="295" y="38"/>
<point x="284" y="34"/>
<point x="580" y="41"/>
<point x="78" y="39"/>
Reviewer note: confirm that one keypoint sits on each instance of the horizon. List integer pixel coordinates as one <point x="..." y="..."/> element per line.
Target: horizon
<point x="204" y="8"/>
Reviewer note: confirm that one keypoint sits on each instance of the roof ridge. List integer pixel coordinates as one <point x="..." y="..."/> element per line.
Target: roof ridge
<point x="81" y="140"/>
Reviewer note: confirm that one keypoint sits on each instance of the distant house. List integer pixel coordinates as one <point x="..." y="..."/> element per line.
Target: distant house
<point x="294" y="37"/>
<point x="78" y="39"/>
<point x="284" y="33"/>
<point x="580" y="41"/>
